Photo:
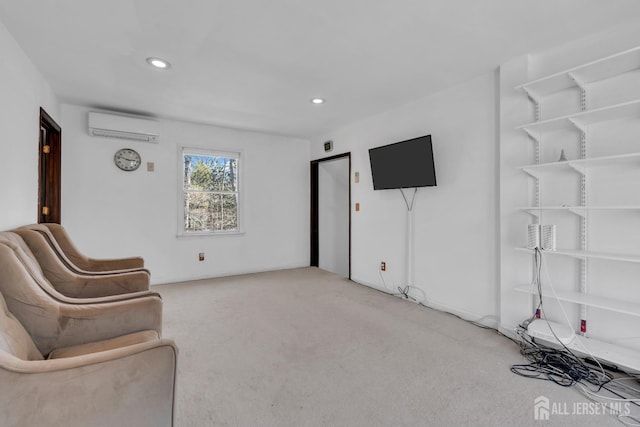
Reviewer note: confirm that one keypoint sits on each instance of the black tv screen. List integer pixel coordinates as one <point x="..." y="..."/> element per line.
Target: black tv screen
<point x="404" y="164"/>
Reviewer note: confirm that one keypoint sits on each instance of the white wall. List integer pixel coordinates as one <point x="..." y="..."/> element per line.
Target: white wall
<point x="333" y="216"/>
<point x="22" y="92"/>
<point x="455" y="223"/>
<point x="608" y="231"/>
<point x="113" y="213"/>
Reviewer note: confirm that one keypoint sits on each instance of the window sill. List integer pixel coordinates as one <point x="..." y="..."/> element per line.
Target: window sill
<point x="209" y="234"/>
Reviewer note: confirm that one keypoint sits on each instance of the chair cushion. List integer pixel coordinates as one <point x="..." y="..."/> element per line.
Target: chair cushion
<point x="110" y="344"/>
<point x="14" y="339"/>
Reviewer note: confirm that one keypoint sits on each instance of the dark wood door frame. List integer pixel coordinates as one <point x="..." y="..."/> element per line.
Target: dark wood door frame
<point x="315" y="238"/>
<point x="49" y="170"/>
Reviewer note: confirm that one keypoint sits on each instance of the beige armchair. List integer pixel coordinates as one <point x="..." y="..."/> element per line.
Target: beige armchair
<point x="126" y="381"/>
<point x="58" y="239"/>
<point x="84" y="262"/>
<point x="79" y="284"/>
<point x="53" y="319"/>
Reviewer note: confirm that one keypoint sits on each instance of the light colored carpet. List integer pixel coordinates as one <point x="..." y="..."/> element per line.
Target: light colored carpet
<point x="305" y="347"/>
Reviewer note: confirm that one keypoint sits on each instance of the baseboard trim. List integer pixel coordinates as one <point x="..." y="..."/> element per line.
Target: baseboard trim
<point x="228" y="274"/>
<point x="508" y="332"/>
<point x="489" y="320"/>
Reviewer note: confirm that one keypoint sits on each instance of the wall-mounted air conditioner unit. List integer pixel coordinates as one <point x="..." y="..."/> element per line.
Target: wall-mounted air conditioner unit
<point x="124" y="127"/>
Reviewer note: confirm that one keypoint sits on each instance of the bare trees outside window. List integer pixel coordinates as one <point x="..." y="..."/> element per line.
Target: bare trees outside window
<point x="210" y="191"/>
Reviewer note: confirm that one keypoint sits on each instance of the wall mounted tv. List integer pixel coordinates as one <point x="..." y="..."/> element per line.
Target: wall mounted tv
<point x="404" y="164"/>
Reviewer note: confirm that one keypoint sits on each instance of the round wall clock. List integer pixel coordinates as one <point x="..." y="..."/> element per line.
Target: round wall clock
<point x="127" y="159"/>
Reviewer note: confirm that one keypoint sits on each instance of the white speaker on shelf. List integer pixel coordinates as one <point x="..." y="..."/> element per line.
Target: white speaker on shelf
<point x="548" y="237"/>
<point x="541" y="237"/>
<point x="533" y="236"/>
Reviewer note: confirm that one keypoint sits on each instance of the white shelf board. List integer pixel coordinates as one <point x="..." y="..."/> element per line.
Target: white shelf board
<point x="578" y="210"/>
<point x="621" y="357"/>
<point x="580" y="164"/>
<point x="585" y="118"/>
<point x="601" y="69"/>
<point x="596" y="208"/>
<point x="582" y="254"/>
<point x="610" y="304"/>
<point x="584" y="208"/>
<point x="624" y="358"/>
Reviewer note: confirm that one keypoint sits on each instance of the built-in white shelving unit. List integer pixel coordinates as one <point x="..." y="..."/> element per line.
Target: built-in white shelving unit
<point x="542" y="131"/>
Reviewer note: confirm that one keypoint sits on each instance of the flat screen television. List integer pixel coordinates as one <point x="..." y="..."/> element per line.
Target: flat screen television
<point x="404" y="164"/>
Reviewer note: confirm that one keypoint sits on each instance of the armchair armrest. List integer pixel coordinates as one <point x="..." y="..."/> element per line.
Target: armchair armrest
<point x="132" y="263"/>
<point x="80" y="323"/>
<point x="79" y="285"/>
<point x="133" y="385"/>
<point x="82" y="286"/>
<point x="87" y="263"/>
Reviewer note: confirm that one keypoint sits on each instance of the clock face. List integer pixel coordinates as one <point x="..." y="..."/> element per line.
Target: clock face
<point x="127" y="159"/>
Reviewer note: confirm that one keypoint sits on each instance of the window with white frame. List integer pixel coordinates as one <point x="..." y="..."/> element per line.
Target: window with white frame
<point x="210" y="192"/>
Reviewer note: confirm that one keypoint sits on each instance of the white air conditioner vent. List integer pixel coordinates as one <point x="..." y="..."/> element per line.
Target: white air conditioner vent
<point x="123" y="127"/>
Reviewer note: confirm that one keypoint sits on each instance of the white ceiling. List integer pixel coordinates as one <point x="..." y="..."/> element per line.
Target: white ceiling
<point x="254" y="64"/>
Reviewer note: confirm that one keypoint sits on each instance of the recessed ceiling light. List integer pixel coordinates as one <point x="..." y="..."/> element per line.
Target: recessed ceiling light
<point x="317" y="101"/>
<point x="158" y="63"/>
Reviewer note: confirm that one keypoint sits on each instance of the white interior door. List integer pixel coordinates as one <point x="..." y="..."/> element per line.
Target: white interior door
<point x="333" y="216"/>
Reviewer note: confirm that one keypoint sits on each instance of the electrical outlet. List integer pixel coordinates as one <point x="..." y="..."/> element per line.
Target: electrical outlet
<point x="383" y="266"/>
<point x="201" y="256"/>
